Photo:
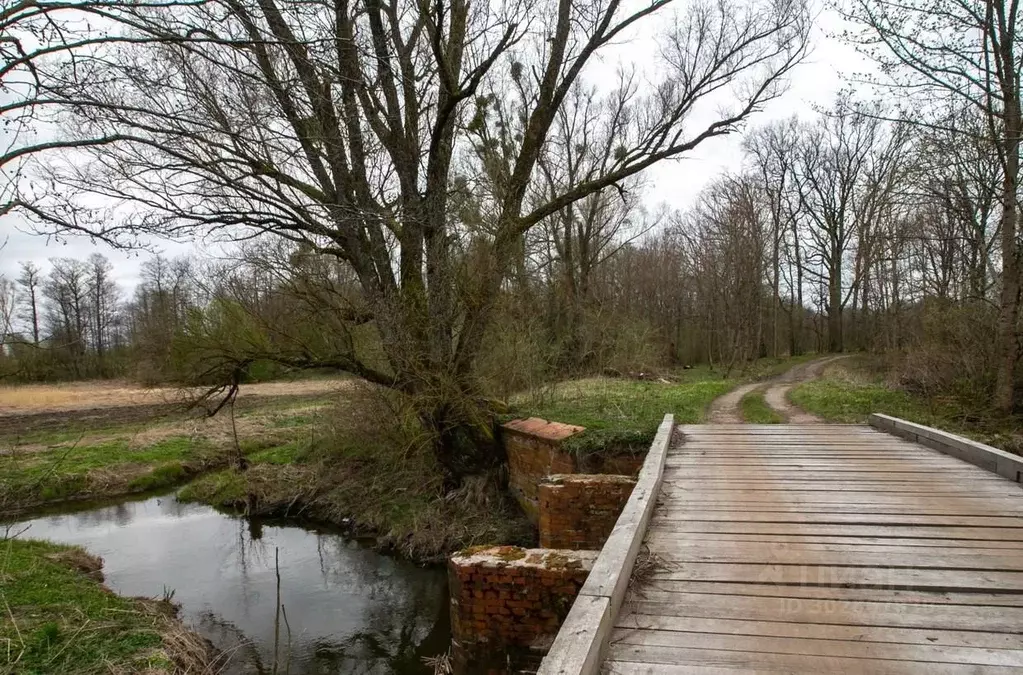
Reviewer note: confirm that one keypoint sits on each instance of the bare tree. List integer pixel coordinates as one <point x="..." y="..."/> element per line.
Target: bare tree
<point x="30" y="281"/>
<point x="8" y="312"/>
<point x="103" y="301"/>
<point x="965" y="52"/>
<point x="67" y="310"/>
<point x="772" y="150"/>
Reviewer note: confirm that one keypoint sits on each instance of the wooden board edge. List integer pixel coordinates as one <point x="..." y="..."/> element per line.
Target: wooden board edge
<point x="579" y="645"/>
<point x="984" y="456"/>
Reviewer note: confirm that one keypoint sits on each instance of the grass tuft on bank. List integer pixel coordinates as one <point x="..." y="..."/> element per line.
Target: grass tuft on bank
<point x="80" y="471"/>
<point x="59" y="618"/>
<point x="851" y="390"/>
<point x="756" y="411"/>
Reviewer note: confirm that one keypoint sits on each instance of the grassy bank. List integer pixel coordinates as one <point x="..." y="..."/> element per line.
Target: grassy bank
<point x="59" y="618"/>
<point x="68" y="464"/>
<point x="368" y="468"/>
<point x="850" y="390"/>
<point x="756" y="411"/>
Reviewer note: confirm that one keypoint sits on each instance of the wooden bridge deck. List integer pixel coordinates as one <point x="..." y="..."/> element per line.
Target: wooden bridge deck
<point x="823" y="549"/>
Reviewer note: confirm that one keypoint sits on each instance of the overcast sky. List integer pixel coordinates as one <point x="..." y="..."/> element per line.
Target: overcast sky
<point x="675" y="183"/>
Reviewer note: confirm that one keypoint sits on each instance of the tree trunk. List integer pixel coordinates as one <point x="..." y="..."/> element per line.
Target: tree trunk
<point x="1008" y="310"/>
<point x="835" y="344"/>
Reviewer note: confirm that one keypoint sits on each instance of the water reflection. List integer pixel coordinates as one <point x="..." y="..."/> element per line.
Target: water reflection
<point x="350" y="610"/>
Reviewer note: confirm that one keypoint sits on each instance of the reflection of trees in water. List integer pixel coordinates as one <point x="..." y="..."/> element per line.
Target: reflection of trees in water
<point x="241" y="655"/>
<point x="397" y="635"/>
<point x="365" y="653"/>
<point x="406" y="620"/>
<point x="122" y="513"/>
<point x="393" y="613"/>
<point x="397" y="650"/>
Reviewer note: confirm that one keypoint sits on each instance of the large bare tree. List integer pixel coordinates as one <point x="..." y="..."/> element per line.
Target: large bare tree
<point x="352" y="127"/>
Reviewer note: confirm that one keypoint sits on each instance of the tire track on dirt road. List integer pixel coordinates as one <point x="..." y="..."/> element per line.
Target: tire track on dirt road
<point x="727" y="409"/>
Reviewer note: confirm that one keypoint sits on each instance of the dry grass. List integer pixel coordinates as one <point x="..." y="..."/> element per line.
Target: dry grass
<point x="36" y="398"/>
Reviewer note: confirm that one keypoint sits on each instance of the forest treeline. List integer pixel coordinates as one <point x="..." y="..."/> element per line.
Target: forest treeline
<point x="840" y="232"/>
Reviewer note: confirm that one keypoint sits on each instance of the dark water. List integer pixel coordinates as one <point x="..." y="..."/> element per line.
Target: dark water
<point x="351" y="610"/>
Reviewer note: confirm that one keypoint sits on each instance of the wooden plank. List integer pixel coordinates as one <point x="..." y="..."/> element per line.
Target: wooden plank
<point x="676" y="548"/>
<point x="837" y="575"/>
<point x="775" y="554"/>
<point x="764" y="501"/>
<point x="803" y="489"/>
<point x="632" y="624"/>
<point x="991" y="459"/>
<point x="620" y="667"/>
<point x="860" y="648"/>
<point x="848" y="518"/>
<point x="907" y="531"/>
<point x="788" y="663"/>
<point x="578" y="647"/>
<point x="995" y="619"/>
<point x="766" y="478"/>
<point x="835" y="474"/>
<point x="947" y="544"/>
<point x="882" y="595"/>
<point x="824" y="462"/>
<point x="666" y="508"/>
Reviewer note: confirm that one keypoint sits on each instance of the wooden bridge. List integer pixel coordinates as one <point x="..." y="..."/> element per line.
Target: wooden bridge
<point x="808" y="549"/>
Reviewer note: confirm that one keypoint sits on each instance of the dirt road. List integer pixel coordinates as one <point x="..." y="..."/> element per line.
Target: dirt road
<point x="728" y="408"/>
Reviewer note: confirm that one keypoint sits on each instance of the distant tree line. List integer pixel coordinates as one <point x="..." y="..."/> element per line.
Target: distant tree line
<point x="71" y="320"/>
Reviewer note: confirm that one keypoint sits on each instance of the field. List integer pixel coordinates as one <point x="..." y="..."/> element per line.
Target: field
<point x="26" y="409"/>
<point x="84" y="440"/>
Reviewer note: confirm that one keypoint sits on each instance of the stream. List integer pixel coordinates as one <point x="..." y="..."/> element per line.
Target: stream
<point x="350" y="609"/>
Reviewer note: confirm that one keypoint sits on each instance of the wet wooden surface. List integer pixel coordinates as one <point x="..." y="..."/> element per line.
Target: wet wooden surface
<point x="824" y="549"/>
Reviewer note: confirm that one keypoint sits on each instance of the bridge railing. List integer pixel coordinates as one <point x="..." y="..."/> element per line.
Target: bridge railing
<point x="578" y="648"/>
<point x="986" y="457"/>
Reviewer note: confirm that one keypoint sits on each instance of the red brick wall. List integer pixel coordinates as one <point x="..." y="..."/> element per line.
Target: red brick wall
<point x="534" y="452"/>
<point x="505" y="597"/>
<point x="579" y="511"/>
<point x="615" y="464"/>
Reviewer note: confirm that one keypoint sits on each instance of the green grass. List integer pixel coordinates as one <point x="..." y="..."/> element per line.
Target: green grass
<point x="289" y="421"/>
<point x="106" y="468"/>
<point x="848" y="401"/>
<point x="622" y="414"/>
<point x="288" y="453"/>
<point x="756" y="411"/>
<point x="850" y="395"/>
<point x="61" y="620"/>
<point x="82" y="458"/>
<point x="220" y="488"/>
